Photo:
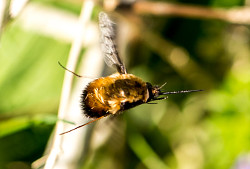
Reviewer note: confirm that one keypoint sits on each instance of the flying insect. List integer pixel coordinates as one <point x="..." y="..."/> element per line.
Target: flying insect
<point x="121" y="91"/>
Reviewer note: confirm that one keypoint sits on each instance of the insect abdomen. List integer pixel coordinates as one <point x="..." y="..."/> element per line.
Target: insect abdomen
<point x="113" y="94"/>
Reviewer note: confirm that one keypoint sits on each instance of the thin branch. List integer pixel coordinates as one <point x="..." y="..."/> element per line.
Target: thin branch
<point x="60" y="149"/>
<point x="10" y="10"/>
<point x="4" y="13"/>
<point x="239" y="15"/>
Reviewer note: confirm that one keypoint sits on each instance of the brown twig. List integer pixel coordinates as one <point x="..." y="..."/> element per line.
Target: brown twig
<point x="239" y="15"/>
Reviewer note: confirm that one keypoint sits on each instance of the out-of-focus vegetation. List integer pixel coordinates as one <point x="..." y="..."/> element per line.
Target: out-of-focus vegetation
<point x="209" y="129"/>
<point x="30" y="83"/>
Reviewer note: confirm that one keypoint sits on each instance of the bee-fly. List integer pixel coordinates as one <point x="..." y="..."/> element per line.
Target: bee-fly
<point x="120" y="91"/>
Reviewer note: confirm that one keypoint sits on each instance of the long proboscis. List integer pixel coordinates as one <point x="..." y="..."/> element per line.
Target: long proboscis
<point x="81" y="125"/>
<point x="182" y="91"/>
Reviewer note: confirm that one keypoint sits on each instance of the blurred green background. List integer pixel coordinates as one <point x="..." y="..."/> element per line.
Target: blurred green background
<point x="209" y="129"/>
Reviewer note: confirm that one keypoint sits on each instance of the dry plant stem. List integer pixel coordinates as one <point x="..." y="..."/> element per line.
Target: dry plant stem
<point x="237" y="15"/>
<point x="56" y="150"/>
<point x="16" y="7"/>
<point x="10" y="9"/>
<point x="4" y="11"/>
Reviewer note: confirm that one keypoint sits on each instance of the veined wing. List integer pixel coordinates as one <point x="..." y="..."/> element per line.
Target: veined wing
<point x="111" y="56"/>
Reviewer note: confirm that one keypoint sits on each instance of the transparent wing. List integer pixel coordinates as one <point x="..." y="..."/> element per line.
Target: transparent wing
<point x="108" y="46"/>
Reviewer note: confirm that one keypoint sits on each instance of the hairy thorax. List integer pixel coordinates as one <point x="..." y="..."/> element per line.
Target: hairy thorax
<point x="113" y="94"/>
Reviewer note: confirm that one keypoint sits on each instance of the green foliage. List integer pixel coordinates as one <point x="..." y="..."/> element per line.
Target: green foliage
<point x="209" y="129"/>
<point x="30" y="83"/>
